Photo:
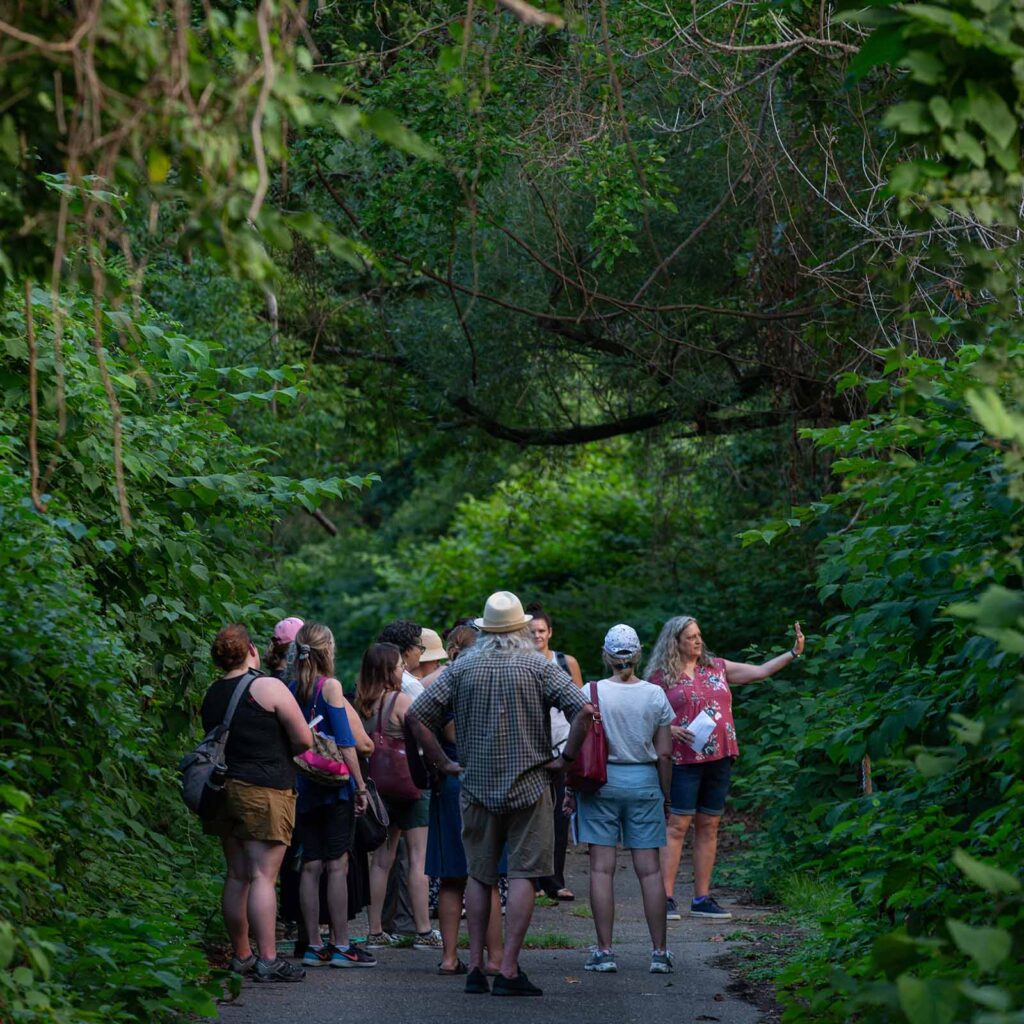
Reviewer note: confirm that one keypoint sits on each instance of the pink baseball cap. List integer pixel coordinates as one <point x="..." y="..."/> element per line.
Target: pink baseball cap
<point x="285" y="630"/>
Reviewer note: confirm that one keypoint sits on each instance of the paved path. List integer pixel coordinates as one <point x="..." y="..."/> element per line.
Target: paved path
<point x="404" y="988"/>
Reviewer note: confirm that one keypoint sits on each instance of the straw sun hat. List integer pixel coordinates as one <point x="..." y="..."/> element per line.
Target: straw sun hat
<point x="503" y="613"/>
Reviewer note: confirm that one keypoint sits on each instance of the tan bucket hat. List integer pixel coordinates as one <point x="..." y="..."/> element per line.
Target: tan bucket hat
<point x="434" y="648"/>
<point x="503" y="613"/>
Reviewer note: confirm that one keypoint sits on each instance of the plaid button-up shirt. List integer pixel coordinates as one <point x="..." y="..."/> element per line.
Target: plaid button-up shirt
<point x="501" y="703"/>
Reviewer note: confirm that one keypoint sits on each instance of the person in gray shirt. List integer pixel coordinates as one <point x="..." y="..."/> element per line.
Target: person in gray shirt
<point x="630" y="807"/>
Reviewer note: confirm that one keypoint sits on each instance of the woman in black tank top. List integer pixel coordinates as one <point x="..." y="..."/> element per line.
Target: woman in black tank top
<point x="257" y="813"/>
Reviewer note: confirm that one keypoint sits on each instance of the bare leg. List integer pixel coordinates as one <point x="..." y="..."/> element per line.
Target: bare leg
<point x="518" y="912"/>
<point x="602" y="892"/>
<point x="337" y="899"/>
<point x="478" y="914"/>
<point x="235" y="896"/>
<point x="678" y="825"/>
<point x="495" y="940"/>
<point x="309" y="899"/>
<point x="264" y="863"/>
<point x="705" y="848"/>
<point x="419" y="884"/>
<point x="449" y="914"/>
<point x="380" y="868"/>
<point x="647" y="864"/>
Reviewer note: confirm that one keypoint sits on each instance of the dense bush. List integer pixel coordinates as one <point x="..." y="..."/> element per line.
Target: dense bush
<point x="918" y="669"/>
<point x="105" y="885"/>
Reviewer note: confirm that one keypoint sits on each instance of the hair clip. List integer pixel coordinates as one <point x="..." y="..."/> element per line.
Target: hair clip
<point x="303" y="652"/>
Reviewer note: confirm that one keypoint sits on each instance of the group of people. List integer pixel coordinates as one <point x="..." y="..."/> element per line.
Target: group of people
<point x="498" y="718"/>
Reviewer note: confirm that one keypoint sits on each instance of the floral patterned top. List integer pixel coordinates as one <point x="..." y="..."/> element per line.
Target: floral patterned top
<point x="708" y="689"/>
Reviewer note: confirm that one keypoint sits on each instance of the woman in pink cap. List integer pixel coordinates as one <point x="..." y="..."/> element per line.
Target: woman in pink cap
<point x="275" y="659"/>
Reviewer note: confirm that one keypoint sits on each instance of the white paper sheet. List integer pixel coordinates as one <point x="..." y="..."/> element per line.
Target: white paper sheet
<point x="702" y="727"/>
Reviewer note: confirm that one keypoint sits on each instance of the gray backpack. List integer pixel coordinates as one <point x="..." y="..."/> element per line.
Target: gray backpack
<point x="203" y="770"/>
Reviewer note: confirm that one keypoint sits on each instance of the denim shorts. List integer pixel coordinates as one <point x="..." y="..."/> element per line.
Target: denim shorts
<point x="629" y="809"/>
<point x="701" y="788"/>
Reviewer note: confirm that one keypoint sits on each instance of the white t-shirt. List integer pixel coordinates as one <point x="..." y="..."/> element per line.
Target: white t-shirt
<point x="559" y="723"/>
<point x="411" y="686"/>
<point x="631" y="713"/>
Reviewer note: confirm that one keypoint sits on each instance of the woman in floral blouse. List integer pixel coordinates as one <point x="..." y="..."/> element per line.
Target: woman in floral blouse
<point x="695" y="681"/>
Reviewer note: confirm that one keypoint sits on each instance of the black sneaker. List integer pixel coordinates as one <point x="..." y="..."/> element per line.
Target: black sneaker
<point x="477" y="983"/>
<point x="707" y="907"/>
<point x="520" y="985"/>
<point x="354" y="956"/>
<point x="277" y="970"/>
<point x="671" y="910"/>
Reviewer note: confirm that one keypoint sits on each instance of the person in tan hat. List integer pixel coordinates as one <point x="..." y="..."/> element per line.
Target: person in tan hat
<point x="432" y="656"/>
<point x="501" y="692"/>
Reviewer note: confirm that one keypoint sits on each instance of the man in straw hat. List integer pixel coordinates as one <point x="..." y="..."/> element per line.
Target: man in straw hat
<point x="501" y="692"/>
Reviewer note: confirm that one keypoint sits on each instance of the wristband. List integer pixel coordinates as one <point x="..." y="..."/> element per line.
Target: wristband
<point x="792" y="651"/>
<point x="362" y="792"/>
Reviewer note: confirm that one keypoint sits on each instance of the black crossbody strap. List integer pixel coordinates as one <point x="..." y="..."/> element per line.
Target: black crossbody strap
<point x="225" y="726"/>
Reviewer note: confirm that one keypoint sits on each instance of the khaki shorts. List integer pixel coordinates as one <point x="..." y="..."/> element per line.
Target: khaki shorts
<point x="253" y="812"/>
<point x="529" y="833"/>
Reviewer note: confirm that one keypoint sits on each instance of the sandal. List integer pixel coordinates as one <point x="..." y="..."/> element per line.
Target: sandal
<point x="565" y="895"/>
<point x="459" y="968"/>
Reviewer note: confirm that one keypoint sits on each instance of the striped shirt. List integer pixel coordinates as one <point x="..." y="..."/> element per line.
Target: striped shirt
<point x="502" y="704"/>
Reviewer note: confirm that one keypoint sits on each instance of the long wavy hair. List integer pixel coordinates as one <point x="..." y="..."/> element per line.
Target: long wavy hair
<point x="376" y="677"/>
<point x="314" y="646"/>
<point x="665" y="658"/>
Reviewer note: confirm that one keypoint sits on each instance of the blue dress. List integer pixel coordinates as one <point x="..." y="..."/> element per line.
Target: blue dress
<point x="446" y="856"/>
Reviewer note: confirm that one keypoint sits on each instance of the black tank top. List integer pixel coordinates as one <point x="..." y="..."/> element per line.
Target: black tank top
<point x="258" y="750"/>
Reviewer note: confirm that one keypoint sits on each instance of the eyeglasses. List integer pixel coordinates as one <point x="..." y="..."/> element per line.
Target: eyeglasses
<point x="420" y="648"/>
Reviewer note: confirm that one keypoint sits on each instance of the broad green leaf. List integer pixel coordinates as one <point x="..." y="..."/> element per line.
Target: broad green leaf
<point x="910" y="117"/>
<point x="389" y="129"/>
<point x="925" y="1001"/>
<point x="988" y="947"/>
<point x="6" y="944"/>
<point x="988" y="109"/>
<point x="989" y="877"/>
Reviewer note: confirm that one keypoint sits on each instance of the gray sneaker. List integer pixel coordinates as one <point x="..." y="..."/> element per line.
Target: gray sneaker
<point x="602" y="961"/>
<point x="661" y="962"/>
<point x="672" y="910"/>
<point x="243" y="965"/>
<point x="277" y="970"/>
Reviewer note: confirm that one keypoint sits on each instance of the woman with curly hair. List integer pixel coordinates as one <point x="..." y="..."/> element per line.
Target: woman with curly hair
<point x="696" y="682"/>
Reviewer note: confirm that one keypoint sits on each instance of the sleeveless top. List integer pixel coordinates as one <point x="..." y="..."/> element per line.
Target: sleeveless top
<point x="258" y="750"/>
<point x="708" y="690"/>
<point x="390" y="729"/>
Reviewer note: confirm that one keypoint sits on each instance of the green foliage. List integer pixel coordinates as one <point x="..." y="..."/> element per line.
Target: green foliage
<point x="106" y="887"/>
<point x="915" y="670"/>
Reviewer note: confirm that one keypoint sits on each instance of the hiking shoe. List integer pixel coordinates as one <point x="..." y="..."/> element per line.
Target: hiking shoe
<point x="354" y="956"/>
<point x="601" y="960"/>
<point x="520" y="985"/>
<point x="671" y="910"/>
<point x="661" y="962"/>
<point x="277" y="970"/>
<point x="316" y="956"/>
<point x="428" y="940"/>
<point x="243" y="965"/>
<point x="707" y="907"/>
<point x="380" y="940"/>
<point x="477" y="983"/>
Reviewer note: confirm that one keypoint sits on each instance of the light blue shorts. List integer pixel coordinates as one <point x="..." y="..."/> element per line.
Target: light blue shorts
<point x="629" y="809"/>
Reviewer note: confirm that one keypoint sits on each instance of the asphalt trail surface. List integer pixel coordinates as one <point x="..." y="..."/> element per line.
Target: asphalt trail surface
<point x="405" y="989"/>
